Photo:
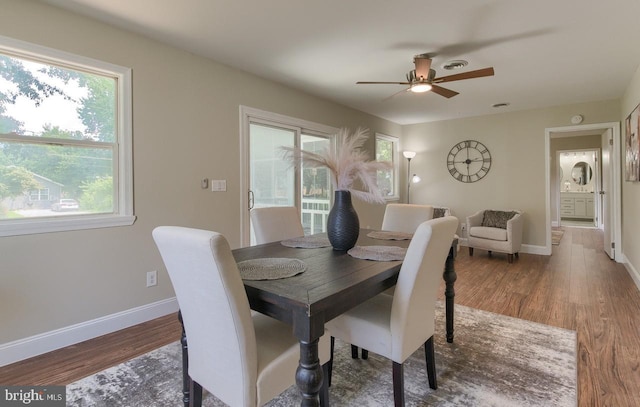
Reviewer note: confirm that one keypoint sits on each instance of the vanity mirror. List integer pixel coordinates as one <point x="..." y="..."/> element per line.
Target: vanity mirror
<point x="581" y="173"/>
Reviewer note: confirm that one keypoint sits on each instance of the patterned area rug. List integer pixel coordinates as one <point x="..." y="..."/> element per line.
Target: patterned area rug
<point x="556" y="236"/>
<point x="494" y="361"/>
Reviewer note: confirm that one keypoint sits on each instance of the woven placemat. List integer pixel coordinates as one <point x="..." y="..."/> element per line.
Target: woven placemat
<point x="378" y="253"/>
<point x="271" y="268"/>
<point x="307" y="242"/>
<point x="388" y="235"/>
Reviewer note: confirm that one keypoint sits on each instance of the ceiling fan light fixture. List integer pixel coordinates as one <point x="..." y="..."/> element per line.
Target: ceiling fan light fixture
<point x="420" y="87"/>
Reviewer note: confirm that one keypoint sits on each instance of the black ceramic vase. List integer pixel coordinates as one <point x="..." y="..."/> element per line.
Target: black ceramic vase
<point x="343" y="225"/>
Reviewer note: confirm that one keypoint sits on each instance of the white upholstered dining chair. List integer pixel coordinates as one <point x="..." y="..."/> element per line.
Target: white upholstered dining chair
<point x="243" y="358"/>
<point x="400" y="218"/>
<point x="396" y="326"/>
<point x="276" y="223"/>
<point x="405" y="217"/>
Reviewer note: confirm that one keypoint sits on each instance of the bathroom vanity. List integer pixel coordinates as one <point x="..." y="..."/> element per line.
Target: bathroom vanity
<point x="577" y="205"/>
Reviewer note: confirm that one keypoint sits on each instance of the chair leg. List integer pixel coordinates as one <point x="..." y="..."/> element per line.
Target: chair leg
<point x="354" y="353"/>
<point x="470" y="251"/>
<point x="517" y="255"/>
<point x="324" y="390"/>
<point x="195" y="395"/>
<point x="430" y="357"/>
<point x="330" y="362"/>
<point x="510" y="258"/>
<point x="398" y="385"/>
<point x="489" y="253"/>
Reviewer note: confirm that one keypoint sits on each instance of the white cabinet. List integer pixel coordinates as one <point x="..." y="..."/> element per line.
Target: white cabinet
<point x="576" y="205"/>
<point x="590" y="208"/>
<point x="580" y="207"/>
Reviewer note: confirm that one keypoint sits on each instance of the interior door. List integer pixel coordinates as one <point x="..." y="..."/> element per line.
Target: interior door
<point x="606" y="196"/>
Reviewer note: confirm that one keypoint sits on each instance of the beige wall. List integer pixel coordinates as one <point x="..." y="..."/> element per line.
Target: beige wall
<point x="517" y="177"/>
<point x="186" y="127"/>
<point x="630" y="190"/>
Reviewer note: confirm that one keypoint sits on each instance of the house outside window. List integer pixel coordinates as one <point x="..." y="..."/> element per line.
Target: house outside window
<point x="387" y="150"/>
<point x="65" y="133"/>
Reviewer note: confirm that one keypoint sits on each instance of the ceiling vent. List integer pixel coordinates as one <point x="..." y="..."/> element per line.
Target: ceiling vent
<point x="455" y="64"/>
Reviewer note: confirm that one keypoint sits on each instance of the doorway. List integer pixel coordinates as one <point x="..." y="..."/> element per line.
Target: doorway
<point x="579" y="183"/>
<point x="607" y="196"/>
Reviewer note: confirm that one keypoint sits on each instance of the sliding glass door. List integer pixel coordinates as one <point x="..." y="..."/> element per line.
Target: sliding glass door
<point x="270" y="180"/>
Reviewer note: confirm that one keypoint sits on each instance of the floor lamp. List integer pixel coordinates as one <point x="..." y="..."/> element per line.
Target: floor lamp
<point x="410" y="179"/>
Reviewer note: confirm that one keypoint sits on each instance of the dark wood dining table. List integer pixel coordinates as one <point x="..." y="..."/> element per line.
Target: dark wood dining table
<point x="333" y="283"/>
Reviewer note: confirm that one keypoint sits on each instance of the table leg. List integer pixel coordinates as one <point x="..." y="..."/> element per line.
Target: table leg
<point x="186" y="379"/>
<point x="450" y="278"/>
<point x="309" y="374"/>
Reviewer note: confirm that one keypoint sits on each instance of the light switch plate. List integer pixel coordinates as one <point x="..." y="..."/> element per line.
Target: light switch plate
<point x="219" y="185"/>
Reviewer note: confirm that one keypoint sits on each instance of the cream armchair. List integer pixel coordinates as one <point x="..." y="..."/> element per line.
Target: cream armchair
<point x="495" y="231"/>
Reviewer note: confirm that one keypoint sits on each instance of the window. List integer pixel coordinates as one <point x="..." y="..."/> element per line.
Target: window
<point x="39" y="195"/>
<point x="387" y="150"/>
<point x="65" y="141"/>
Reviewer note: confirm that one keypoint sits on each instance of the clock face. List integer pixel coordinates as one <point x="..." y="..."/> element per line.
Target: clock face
<point x="469" y="161"/>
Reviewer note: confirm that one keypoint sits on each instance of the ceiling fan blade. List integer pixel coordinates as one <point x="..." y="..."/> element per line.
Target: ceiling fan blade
<point x="448" y="93"/>
<point x="465" y="75"/>
<point x="422" y="67"/>
<point x="383" y="83"/>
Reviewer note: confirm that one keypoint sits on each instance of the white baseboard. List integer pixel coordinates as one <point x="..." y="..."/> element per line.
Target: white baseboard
<point x="532" y="249"/>
<point x="25" y="348"/>
<point x="633" y="272"/>
<point x="525" y="248"/>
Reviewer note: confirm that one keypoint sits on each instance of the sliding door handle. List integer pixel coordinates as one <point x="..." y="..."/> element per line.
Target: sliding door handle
<point x="251" y="199"/>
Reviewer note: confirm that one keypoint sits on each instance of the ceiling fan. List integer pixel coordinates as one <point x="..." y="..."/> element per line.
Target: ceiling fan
<point x="423" y="78"/>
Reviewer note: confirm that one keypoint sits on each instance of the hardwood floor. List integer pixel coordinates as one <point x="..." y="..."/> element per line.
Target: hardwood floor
<point x="577" y="288"/>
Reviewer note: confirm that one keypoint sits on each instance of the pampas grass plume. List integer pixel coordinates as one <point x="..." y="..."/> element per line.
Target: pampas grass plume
<point x="346" y="165"/>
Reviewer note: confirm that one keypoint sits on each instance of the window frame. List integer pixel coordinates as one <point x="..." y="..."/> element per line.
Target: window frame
<point x="395" y="176"/>
<point x="123" y="214"/>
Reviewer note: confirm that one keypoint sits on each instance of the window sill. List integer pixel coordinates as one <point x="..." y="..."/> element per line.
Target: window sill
<point x="63" y="224"/>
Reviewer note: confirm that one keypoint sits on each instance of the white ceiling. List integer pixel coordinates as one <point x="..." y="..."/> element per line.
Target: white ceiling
<point x="545" y="52"/>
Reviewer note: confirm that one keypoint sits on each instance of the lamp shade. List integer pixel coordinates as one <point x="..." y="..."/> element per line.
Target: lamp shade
<point x="409" y="154"/>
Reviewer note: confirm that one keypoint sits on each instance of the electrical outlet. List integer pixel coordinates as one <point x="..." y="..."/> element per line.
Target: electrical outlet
<point x="152" y="278"/>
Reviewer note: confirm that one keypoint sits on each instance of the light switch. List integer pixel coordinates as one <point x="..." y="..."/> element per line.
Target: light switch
<point x="219" y="185"/>
<point x="204" y="183"/>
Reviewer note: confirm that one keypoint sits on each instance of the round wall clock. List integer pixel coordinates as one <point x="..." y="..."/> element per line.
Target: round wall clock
<point x="469" y="161"/>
